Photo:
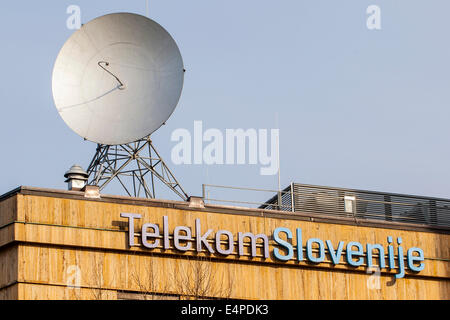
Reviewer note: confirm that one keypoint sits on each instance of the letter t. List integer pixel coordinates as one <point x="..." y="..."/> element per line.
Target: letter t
<point x="131" y="217"/>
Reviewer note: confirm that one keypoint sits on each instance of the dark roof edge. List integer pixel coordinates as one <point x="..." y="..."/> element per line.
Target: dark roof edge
<point x="10" y="193"/>
<point x="78" y="195"/>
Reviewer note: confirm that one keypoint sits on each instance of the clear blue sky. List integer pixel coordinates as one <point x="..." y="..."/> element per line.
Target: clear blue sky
<point x="357" y="108"/>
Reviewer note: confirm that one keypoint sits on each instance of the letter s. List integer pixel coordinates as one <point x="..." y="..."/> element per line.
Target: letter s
<point x="283" y="243"/>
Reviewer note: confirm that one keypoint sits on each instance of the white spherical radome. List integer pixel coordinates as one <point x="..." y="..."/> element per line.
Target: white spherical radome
<point x="117" y="79"/>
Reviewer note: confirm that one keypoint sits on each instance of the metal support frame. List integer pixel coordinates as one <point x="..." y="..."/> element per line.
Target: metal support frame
<point x="135" y="166"/>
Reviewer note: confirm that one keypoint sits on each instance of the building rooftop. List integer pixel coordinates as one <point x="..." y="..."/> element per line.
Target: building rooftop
<point x="326" y="207"/>
<point x="362" y="204"/>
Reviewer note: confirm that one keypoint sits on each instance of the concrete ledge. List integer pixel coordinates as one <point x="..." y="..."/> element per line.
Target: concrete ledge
<point x="195" y="203"/>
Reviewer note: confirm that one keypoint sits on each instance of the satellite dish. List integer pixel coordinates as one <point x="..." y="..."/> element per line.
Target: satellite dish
<point x="117" y="79"/>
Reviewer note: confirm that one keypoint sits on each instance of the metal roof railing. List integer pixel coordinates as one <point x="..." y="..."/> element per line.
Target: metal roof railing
<point x="349" y="203"/>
